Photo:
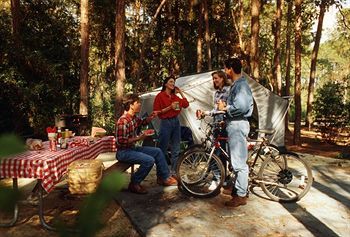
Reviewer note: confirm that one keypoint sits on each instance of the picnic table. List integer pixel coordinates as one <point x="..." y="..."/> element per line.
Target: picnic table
<point x="48" y="167"/>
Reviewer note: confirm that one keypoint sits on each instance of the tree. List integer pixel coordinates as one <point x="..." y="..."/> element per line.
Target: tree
<point x="288" y="54"/>
<point x="199" y="38"/>
<point x="331" y="111"/>
<point x="119" y="58"/>
<point x="254" y="43"/>
<point x="297" y="85"/>
<point x="207" y="33"/>
<point x="276" y="61"/>
<point x="84" y="70"/>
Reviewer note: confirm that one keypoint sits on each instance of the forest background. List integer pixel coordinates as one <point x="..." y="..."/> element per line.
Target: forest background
<point x="80" y="57"/>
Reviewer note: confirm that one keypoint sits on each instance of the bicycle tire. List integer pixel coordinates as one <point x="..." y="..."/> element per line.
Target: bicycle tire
<point x="199" y="174"/>
<point x="264" y="153"/>
<point x="285" y="178"/>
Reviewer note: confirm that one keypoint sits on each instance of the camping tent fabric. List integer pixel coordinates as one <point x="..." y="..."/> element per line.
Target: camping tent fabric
<point x="198" y="89"/>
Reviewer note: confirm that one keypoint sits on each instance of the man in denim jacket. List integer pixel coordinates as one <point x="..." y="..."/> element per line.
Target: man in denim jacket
<point x="238" y="109"/>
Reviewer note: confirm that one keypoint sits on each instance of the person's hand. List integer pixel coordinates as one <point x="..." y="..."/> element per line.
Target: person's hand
<point x="177" y="89"/>
<point x="154" y="114"/>
<point x="142" y="136"/>
<point x="221" y="105"/>
<point x="175" y="105"/>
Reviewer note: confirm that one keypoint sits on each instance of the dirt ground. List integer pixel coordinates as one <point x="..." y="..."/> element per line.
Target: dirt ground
<point x="59" y="204"/>
<point x="314" y="145"/>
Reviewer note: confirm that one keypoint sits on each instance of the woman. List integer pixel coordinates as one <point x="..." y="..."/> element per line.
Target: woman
<point x="169" y="106"/>
<point x="222" y="86"/>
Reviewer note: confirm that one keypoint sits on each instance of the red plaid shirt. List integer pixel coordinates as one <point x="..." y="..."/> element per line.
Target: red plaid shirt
<point x="126" y="128"/>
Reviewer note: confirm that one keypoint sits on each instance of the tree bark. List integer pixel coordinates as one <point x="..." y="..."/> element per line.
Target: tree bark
<point x="119" y="58"/>
<point x="288" y="54"/>
<point x="15" y="4"/>
<point x="207" y="33"/>
<point x="277" y="57"/>
<point x="199" y="38"/>
<point x="146" y="37"/>
<point x="254" y="44"/>
<point x="310" y="95"/>
<point x="84" y="53"/>
<point x="297" y="86"/>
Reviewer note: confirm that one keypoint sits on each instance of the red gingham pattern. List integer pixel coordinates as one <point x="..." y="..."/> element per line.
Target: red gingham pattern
<point x="49" y="166"/>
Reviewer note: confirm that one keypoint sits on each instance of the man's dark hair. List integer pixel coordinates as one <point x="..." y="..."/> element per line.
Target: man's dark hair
<point x="235" y="64"/>
<point x="129" y="99"/>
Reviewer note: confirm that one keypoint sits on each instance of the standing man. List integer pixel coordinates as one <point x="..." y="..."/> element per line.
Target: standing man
<point x="144" y="156"/>
<point x="238" y="109"/>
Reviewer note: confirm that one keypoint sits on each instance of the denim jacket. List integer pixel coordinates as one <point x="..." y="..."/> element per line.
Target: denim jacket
<point x="240" y="100"/>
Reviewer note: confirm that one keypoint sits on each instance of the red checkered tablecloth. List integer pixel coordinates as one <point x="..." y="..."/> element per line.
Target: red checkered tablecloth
<point x="49" y="166"/>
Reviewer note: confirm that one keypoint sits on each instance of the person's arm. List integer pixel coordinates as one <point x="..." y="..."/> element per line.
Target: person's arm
<point x="242" y="101"/>
<point x="123" y="132"/>
<point x="183" y="101"/>
<point x="157" y="105"/>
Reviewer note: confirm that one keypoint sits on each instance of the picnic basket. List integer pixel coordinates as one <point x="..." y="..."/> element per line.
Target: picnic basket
<point x="84" y="176"/>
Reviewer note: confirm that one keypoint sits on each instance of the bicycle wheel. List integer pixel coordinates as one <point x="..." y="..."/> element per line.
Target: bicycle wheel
<point x="265" y="152"/>
<point x="200" y="174"/>
<point x="285" y="178"/>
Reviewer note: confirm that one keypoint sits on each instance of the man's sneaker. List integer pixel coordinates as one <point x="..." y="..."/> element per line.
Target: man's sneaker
<point x="137" y="188"/>
<point x="227" y="190"/>
<point x="171" y="181"/>
<point x="236" y="201"/>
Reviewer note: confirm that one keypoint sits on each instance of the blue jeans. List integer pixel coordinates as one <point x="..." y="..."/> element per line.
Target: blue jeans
<point x="237" y="134"/>
<point x="170" y="133"/>
<point x="145" y="157"/>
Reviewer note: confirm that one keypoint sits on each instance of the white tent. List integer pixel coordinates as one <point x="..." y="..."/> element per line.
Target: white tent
<point x="269" y="108"/>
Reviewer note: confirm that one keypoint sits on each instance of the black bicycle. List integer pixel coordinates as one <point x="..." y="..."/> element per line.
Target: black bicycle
<point x="284" y="177"/>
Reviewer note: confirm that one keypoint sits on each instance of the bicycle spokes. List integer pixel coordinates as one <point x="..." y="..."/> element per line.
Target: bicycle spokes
<point x="285" y="178"/>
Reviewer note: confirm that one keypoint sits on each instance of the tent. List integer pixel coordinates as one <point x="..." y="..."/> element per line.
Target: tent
<point x="269" y="109"/>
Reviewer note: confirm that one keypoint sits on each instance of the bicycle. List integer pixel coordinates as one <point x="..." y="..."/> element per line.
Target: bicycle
<point x="283" y="176"/>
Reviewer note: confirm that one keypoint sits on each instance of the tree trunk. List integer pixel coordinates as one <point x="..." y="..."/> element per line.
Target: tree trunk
<point x="277" y="77"/>
<point x="288" y="54"/>
<point x="199" y="38"/>
<point x="254" y="44"/>
<point x="119" y="58"/>
<point x="207" y="33"/>
<point x="310" y="96"/>
<point x="297" y="86"/>
<point x="15" y="4"/>
<point x="146" y="37"/>
<point x="84" y="53"/>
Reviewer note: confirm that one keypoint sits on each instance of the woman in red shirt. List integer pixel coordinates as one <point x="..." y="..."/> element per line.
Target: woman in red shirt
<point x="169" y="106"/>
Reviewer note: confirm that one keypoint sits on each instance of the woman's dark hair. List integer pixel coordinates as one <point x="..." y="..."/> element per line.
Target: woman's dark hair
<point x="129" y="99"/>
<point x="166" y="81"/>
<point x="235" y="64"/>
<point x="221" y="74"/>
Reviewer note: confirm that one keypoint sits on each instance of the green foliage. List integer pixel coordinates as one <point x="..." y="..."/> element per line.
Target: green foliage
<point x="9" y="145"/>
<point x="330" y="110"/>
<point x="89" y="218"/>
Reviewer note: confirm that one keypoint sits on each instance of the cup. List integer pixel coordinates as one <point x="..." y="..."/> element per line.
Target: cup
<point x="51" y="136"/>
<point x="177" y="105"/>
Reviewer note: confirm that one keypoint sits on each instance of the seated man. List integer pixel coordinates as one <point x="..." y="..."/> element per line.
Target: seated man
<point x="126" y="138"/>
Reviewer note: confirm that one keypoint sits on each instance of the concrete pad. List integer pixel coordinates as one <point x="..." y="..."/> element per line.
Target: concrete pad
<point x="324" y="211"/>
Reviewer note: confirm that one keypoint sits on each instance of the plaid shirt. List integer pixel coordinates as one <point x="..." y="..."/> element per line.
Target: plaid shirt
<point x="126" y="128"/>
